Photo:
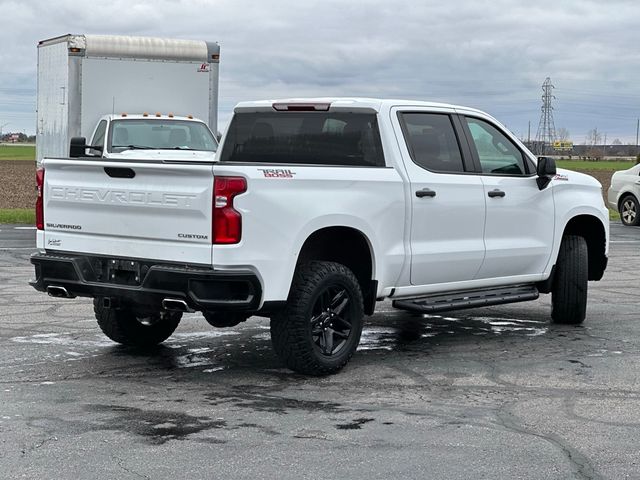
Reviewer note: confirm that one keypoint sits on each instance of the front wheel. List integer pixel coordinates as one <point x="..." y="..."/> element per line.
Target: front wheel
<point x="569" y="292"/>
<point x="319" y="329"/>
<point x="629" y="211"/>
<point x="124" y="326"/>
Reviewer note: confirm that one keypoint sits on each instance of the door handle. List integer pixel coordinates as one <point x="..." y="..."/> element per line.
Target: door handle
<point x="496" y="193"/>
<point x="425" y="192"/>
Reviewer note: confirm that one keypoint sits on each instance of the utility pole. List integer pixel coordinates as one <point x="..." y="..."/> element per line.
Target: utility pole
<point x="637" y="131"/>
<point x="529" y="135"/>
<point x="2" y="126"/>
<point x="546" y="128"/>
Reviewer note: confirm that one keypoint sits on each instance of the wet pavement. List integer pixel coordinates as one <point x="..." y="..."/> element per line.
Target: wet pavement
<point x="486" y="393"/>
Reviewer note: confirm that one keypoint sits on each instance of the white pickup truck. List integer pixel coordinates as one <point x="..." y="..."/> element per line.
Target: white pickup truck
<point x="314" y="210"/>
<point x="148" y="136"/>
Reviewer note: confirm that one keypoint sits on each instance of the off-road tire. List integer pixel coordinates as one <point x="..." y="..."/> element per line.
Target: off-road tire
<point x="569" y="292"/>
<point x="123" y="326"/>
<point x="291" y="327"/>
<point x="224" y="319"/>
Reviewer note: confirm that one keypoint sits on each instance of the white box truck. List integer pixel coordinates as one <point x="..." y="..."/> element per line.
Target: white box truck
<point x="82" y="78"/>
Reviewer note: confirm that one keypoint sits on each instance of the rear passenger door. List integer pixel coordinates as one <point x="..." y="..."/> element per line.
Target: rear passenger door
<point x="447" y="198"/>
<point x="520" y="226"/>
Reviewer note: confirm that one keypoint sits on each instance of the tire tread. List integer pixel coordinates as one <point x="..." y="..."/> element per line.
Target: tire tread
<point x="569" y="293"/>
<point x="289" y="334"/>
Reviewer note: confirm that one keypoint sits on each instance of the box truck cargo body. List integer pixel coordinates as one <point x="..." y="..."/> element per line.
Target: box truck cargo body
<point x="83" y="77"/>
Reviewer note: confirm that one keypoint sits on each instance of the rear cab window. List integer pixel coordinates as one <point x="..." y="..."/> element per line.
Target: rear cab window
<point x="432" y="141"/>
<point x="312" y="138"/>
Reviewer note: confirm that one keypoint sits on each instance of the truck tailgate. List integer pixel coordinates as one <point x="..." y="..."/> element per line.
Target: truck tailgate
<point x="133" y="209"/>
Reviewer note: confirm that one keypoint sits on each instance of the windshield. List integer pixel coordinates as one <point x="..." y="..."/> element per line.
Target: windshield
<point x="159" y="134"/>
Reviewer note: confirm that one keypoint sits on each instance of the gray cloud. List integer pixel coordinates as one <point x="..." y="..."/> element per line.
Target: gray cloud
<point x="490" y="55"/>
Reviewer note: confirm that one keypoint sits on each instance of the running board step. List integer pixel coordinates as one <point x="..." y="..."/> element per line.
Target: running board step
<point x="469" y="299"/>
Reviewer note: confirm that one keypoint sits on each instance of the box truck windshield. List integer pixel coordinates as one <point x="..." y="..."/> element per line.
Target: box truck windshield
<point x="159" y="135"/>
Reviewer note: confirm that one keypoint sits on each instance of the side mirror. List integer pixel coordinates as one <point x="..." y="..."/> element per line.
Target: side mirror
<point x="78" y="147"/>
<point x="546" y="170"/>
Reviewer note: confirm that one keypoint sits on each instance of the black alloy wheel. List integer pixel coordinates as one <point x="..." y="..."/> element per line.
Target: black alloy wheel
<point x="318" y="330"/>
<point x="331" y="320"/>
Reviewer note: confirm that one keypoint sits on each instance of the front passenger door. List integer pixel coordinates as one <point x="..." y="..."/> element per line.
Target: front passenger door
<point x="519" y="228"/>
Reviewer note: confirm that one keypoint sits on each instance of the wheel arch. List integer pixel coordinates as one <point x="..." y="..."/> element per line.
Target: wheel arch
<point x="623" y="194"/>
<point x="594" y="232"/>
<point x="349" y="247"/>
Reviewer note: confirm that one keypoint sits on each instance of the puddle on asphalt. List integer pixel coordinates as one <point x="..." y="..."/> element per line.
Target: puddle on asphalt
<point x="210" y="350"/>
<point x="63" y="339"/>
<point x="425" y="326"/>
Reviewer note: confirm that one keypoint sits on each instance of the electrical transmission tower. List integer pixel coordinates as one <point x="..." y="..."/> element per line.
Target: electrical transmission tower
<point x="546" y="129"/>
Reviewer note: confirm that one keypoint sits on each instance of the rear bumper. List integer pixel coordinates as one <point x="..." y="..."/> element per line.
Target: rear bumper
<point x="145" y="282"/>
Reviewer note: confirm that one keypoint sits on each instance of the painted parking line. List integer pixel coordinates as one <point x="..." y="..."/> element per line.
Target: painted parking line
<point x="24" y="228"/>
<point x="624" y="241"/>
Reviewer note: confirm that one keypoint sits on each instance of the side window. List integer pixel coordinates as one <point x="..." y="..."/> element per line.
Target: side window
<point x="432" y="141"/>
<point x="98" y="137"/>
<point x="497" y="154"/>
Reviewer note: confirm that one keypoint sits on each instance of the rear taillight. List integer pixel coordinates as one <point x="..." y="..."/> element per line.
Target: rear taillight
<point x="227" y="221"/>
<point x="40" y="199"/>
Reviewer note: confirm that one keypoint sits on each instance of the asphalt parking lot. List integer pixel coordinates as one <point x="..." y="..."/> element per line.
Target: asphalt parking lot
<point x="487" y="393"/>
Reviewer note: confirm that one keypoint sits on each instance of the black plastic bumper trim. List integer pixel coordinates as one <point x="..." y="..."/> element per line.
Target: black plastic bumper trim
<point x="201" y="288"/>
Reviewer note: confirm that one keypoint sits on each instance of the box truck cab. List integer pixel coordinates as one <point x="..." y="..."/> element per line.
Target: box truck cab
<point x="145" y="136"/>
<point x="82" y="78"/>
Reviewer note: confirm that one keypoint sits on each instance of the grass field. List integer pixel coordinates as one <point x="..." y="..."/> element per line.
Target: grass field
<point x="18" y="215"/>
<point x="599" y="165"/>
<point x="17" y="152"/>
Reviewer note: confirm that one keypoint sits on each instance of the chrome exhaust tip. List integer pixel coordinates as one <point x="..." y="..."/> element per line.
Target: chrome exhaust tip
<point x="58" y="292"/>
<point x="175" y="305"/>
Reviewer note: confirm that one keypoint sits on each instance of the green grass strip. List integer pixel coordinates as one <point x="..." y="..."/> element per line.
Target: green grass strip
<point x="613" y="215"/>
<point x="18" y="215"/>
<point x="599" y="165"/>
<point x="17" y="152"/>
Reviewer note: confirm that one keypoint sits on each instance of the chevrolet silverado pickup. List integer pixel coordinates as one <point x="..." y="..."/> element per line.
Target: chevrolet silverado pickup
<point x="312" y="211"/>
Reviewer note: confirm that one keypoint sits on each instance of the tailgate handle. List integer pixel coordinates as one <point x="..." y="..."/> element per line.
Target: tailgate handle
<point x="120" y="172"/>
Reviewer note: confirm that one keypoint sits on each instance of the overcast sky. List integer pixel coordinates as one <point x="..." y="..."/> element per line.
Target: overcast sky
<point x="493" y="55"/>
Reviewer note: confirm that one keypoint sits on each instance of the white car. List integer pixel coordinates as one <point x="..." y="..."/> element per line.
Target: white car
<point x="624" y="193"/>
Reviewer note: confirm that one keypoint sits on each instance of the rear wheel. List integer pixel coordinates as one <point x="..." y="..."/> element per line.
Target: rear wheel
<point x="569" y="292"/>
<point x="123" y="326"/>
<point x="629" y="211"/>
<point x="319" y="329"/>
